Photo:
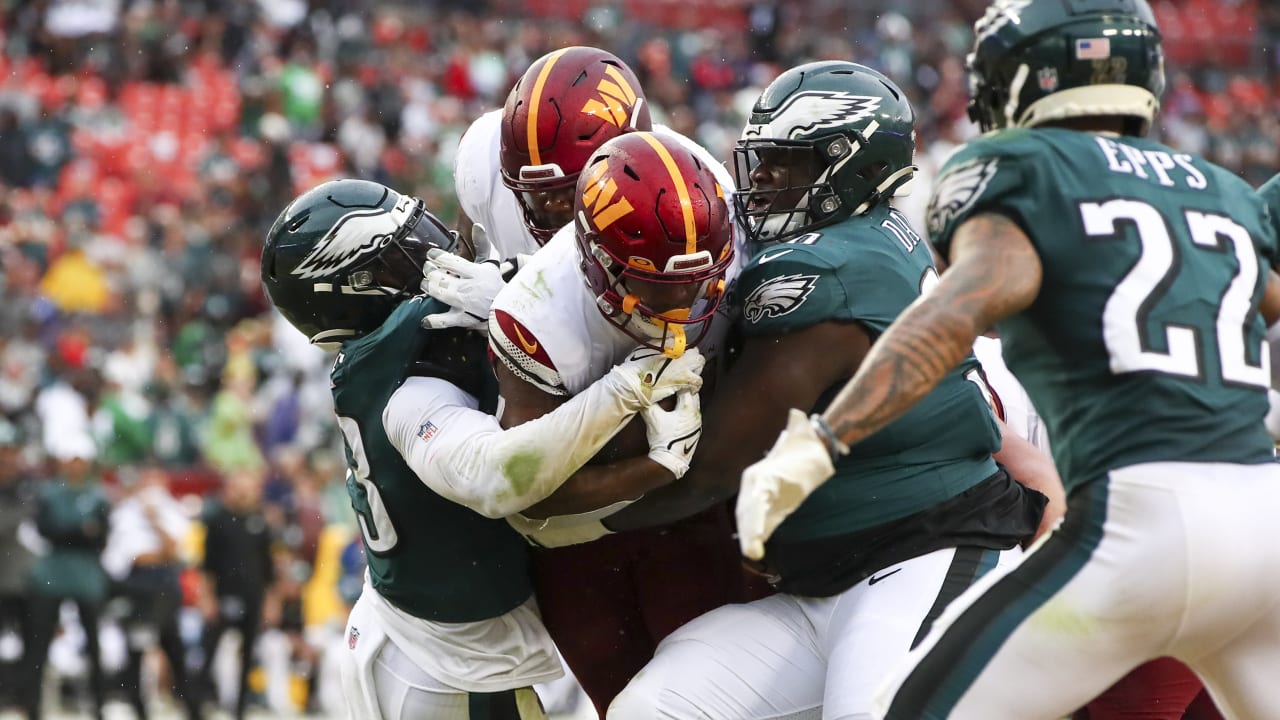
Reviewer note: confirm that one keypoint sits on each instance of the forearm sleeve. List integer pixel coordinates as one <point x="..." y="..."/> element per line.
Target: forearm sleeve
<point x="465" y="455"/>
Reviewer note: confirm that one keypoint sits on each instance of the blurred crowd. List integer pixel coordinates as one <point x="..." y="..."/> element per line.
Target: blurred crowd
<point x="148" y="397"/>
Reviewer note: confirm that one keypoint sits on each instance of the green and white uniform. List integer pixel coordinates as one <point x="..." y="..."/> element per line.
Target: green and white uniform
<point x="447" y="613"/>
<point x="1144" y="352"/>
<point x="867" y="270"/>
<point x="1270" y="194"/>
<point x="913" y="515"/>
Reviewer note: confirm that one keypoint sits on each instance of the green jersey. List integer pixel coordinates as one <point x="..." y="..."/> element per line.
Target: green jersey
<point x="1270" y="193"/>
<point x="431" y="557"/>
<point x="868" y="269"/>
<point x="1145" y="343"/>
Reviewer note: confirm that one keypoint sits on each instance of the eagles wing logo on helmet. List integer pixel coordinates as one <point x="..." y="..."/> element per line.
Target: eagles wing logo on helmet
<point x="1001" y="13"/>
<point x="809" y="110"/>
<point x="778" y="296"/>
<point x="358" y="235"/>
<point x="957" y="191"/>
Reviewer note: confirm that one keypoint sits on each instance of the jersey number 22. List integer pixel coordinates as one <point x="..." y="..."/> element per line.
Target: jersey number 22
<point x="1126" y="311"/>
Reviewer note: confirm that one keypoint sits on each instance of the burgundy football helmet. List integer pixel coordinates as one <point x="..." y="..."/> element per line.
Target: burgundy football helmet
<point x="567" y="104"/>
<point x="654" y="239"/>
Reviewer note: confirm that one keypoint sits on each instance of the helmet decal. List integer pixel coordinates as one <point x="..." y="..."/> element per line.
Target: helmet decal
<point x="597" y="196"/>
<point x="358" y="235"/>
<point x="682" y="192"/>
<point x="653" y="237"/>
<point x="616" y="97"/>
<point x="809" y="110"/>
<point x="531" y="127"/>
<point x="1001" y="13"/>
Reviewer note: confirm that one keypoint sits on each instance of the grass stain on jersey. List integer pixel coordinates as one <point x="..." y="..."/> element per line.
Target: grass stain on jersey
<point x="1057" y="617"/>
<point x="521" y="469"/>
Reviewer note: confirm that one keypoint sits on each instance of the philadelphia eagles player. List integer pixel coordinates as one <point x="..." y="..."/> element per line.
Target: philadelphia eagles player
<point x="446" y="627"/>
<point x="1130" y="285"/>
<point x="917" y="514"/>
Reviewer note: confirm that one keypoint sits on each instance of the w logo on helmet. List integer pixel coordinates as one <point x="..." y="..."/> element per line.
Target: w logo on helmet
<point x="598" y="197"/>
<point x="615" y="101"/>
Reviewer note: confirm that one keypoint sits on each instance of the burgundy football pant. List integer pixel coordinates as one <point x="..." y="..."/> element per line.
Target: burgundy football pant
<point x="608" y="603"/>
<point x="1162" y="689"/>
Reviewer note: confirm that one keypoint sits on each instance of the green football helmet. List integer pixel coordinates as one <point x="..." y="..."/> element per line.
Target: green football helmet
<point x="344" y="254"/>
<point x="825" y="141"/>
<point x="1037" y="61"/>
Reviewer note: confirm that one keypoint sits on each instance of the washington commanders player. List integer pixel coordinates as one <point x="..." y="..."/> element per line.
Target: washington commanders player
<point x="446" y="626"/>
<point x="646" y="260"/>
<point x="516" y="173"/>
<point x="516" y="167"/>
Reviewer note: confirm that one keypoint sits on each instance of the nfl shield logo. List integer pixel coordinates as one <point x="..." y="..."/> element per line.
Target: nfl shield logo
<point x="427" y="430"/>
<point x="352" y="637"/>
<point x="1048" y="78"/>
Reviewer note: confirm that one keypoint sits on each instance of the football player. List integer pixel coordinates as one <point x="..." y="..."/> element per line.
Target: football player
<point x="918" y="513"/>
<point x="516" y="175"/>
<point x="1270" y="194"/>
<point x="646" y="260"/>
<point x="516" y="168"/>
<point x="515" y="171"/>
<point x="446" y="626"/>
<point x="1162" y="689"/>
<point x="1130" y="285"/>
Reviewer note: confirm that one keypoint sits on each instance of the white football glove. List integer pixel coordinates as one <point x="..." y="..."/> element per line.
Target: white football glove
<point x="674" y="434"/>
<point x="467" y="286"/>
<point x="772" y="488"/>
<point x="647" y="376"/>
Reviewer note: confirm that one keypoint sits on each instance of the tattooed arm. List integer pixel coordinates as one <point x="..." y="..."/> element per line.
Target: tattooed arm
<point x="994" y="272"/>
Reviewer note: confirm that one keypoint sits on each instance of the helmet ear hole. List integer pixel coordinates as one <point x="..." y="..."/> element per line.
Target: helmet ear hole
<point x="298" y="222"/>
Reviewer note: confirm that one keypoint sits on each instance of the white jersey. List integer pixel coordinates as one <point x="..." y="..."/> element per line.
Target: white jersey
<point x="545" y="325"/>
<point x="1011" y="401"/>
<point x="477" y="180"/>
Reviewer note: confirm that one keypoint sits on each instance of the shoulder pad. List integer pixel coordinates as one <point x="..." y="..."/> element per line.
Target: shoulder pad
<point x="523" y="354"/>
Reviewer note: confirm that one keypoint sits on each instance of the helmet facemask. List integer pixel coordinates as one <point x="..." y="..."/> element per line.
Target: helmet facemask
<point x="794" y="186"/>
<point x="667" y="309"/>
<point x="349" y="300"/>
<point x="566" y="105"/>
<point x="546" y="202"/>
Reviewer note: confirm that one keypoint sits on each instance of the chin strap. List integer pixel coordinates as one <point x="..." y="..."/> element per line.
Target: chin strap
<point x="885" y="188"/>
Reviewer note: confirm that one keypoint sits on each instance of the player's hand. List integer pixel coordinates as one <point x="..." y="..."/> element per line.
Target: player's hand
<point x="674" y="434"/>
<point x="647" y="376"/>
<point x="772" y="488"/>
<point x="468" y="288"/>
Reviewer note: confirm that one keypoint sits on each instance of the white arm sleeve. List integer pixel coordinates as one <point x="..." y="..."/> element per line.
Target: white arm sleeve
<point x="464" y="455"/>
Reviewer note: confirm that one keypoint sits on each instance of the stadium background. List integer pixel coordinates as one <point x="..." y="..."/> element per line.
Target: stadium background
<point x="146" y="145"/>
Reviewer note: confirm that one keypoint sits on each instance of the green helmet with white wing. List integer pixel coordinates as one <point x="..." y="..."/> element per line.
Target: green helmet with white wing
<point x="825" y="141"/>
<point x="341" y="257"/>
<point x="1040" y="61"/>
